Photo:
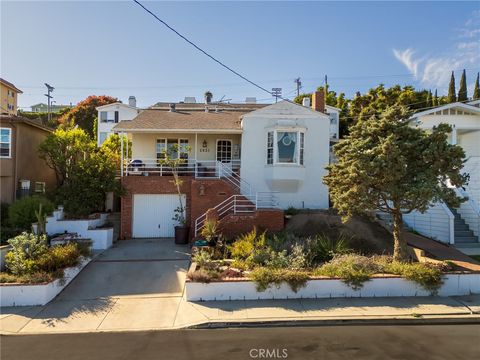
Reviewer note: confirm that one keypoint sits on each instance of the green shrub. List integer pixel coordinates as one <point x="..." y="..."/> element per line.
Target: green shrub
<point x="265" y="277"/>
<point x="21" y="214"/>
<point x="353" y="269"/>
<point x="292" y="211"/>
<point x="59" y="257"/>
<point x="202" y="257"/>
<point x="26" y="250"/>
<point x="323" y="248"/>
<point x="283" y="241"/>
<point x="427" y="275"/>
<point x="244" y="246"/>
<point x="280" y="260"/>
<point x="297" y="259"/>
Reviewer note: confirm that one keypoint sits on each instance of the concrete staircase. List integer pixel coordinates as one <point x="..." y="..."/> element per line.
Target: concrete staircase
<point x="462" y="232"/>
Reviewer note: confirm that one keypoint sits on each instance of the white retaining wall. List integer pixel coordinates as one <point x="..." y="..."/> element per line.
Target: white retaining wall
<point x="101" y="238"/>
<point x="436" y="223"/>
<point x="454" y="284"/>
<point x="40" y="294"/>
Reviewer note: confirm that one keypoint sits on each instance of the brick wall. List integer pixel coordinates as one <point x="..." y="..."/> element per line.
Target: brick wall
<point x="271" y="220"/>
<point x="201" y="196"/>
<point x="147" y="185"/>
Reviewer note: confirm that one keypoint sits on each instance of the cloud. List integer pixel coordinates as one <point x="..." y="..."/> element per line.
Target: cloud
<point x="434" y="71"/>
<point x="406" y="58"/>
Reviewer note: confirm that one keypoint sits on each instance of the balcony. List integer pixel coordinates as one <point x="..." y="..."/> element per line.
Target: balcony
<point x="207" y="169"/>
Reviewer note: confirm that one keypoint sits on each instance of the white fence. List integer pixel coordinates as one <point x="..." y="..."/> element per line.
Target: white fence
<point x="436" y="223"/>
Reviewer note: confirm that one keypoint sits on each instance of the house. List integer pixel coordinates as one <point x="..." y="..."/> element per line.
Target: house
<point x="111" y="114"/>
<point x="248" y="162"/>
<point x="42" y="107"/>
<point x="22" y="171"/>
<point x="8" y="95"/>
<point x="460" y="226"/>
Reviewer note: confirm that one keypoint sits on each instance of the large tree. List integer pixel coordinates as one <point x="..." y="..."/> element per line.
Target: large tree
<point x="84" y="172"/>
<point x="462" y="91"/>
<point x="85" y="113"/>
<point x="451" y="97"/>
<point x="385" y="164"/>
<point x="476" y="89"/>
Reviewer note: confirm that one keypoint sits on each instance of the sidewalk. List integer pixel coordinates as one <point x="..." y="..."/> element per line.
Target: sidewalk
<point x="133" y="314"/>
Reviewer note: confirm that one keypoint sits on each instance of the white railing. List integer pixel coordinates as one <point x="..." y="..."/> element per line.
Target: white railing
<point x="191" y="167"/>
<point x="436" y="223"/>
<point x="470" y="212"/>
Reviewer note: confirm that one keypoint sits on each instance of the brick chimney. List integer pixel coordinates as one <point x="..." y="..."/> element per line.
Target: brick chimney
<point x="318" y="101"/>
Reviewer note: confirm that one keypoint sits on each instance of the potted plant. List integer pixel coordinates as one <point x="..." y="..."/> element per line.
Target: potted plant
<point x="173" y="159"/>
<point x="209" y="231"/>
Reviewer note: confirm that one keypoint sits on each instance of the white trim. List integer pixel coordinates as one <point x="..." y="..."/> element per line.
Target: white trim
<point x="216" y="148"/>
<point x="9" y="143"/>
<point x="451" y="222"/>
<point x="116" y="104"/>
<point x="446" y="107"/>
<point x="275" y="131"/>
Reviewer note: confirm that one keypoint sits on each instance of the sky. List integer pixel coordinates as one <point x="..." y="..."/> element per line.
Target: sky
<point x="115" y="48"/>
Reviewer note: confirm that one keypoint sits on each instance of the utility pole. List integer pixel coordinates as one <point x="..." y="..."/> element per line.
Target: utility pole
<point x="299" y="85"/>
<point x="49" y="97"/>
<point x="277" y="92"/>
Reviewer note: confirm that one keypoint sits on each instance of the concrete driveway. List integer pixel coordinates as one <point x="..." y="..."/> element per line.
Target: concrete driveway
<point x="135" y="284"/>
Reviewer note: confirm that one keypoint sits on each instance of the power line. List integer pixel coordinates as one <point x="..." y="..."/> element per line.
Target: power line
<point x="200" y="49"/>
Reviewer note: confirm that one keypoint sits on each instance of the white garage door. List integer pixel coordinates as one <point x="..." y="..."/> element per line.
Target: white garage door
<point x="152" y="215"/>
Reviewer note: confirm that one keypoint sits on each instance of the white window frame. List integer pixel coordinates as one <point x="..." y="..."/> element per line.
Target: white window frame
<point x="180" y="142"/>
<point x="40" y="187"/>
<point x="9" y="156"/>
<point x="299" y="149"/>
<point x="231" y="149"/>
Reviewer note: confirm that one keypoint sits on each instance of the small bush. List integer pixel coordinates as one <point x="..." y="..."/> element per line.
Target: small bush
<point x="59" y="257"/>
<point x="297" y="259"/>
<point x="280" y="260"/>
<point x="244" y="245"/>
<point x="203" y="275"/>
<point x="202" y="257"/>
<point x="265" y="277"/>
<point x="26" y="250"/>
<point x="323" y="248"/>
<point x="33" y="278"/>
<point x="292" y="211"/>
<point x="21" y="214"/>
<point x="353" y="269"/>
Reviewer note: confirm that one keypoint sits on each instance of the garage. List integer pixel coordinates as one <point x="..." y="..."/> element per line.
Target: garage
<point x="153" y="213"/>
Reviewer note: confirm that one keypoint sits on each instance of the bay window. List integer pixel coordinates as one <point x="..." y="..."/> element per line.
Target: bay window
<point x="285" y="147"/>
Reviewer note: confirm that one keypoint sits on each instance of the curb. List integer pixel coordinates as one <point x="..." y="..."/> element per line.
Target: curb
<point x="422" y="320"/>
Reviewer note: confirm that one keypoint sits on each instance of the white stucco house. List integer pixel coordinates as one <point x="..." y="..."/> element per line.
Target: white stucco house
<point x="248" y="162"/>
<point x="111" y="114"/>
<point x="461" y="226"/>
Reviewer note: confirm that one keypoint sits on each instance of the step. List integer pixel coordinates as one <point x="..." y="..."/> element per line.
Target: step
<point x="467" y="245"/>
<point x="463" y="233"/>
<point x="470" y="239"/>
<point x="461" y="227"/>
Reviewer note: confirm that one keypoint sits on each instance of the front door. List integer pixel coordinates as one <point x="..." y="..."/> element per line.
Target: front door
<point x="224" y="151"/>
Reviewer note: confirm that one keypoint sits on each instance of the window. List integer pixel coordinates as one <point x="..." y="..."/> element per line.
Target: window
<point x="285" y="147"/>
<point x="224" y="150"/>
<point x="108" y="116"/>
<point x="169" y="145"/>
<point x="302" y="144"/>
<point x="103" y="136"/>
<point x="5" y="142"/>
<point x="270" y="148"/>
<point x="40" y="187"/>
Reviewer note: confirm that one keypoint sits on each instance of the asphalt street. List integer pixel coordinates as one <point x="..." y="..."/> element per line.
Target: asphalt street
<point x="322" y="342"/>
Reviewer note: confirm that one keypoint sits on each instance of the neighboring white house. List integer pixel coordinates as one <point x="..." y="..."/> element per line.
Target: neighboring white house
<point x="246" y="161"/>
<point x="111" y="114"/>
<point x="455" y="226"/>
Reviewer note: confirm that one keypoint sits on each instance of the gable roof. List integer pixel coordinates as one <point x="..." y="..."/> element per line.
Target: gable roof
<point x="458" y="105"/>
<point x="285" y="107"/>
<point x="116" y="104"/>
<point x="10" y="85"/>
<point x="155" y="120"/>
<point x="20" y="119"/>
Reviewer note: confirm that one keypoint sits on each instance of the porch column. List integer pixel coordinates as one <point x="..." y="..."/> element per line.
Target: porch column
<point x="196" y="146"/>
<point x="454" y="135"/>
<point x="121" y="154"/>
